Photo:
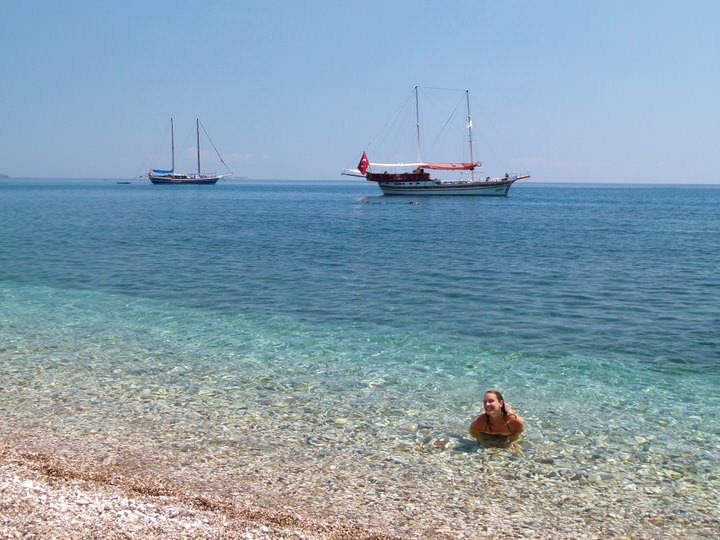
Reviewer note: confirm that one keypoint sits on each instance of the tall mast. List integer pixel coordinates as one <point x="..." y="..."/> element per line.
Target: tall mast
<point x="469" y="125"/>
<point x="417" y="125"/>
<point x="172" y="144"/>
<point x="197" y="133"/>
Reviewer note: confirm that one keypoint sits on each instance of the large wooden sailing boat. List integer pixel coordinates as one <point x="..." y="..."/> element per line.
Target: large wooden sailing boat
<point x="419" y="182"/>
<point x="158" y="176"/>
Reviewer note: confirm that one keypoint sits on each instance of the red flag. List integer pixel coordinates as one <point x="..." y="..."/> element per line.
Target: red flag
<point x="364" y="164"/>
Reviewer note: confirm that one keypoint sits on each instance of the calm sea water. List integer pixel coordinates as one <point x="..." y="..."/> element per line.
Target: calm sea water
<point x="206" y="319"/>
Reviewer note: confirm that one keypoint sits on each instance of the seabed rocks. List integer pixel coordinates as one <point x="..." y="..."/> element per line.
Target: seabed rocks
<point x="452" y="490"/>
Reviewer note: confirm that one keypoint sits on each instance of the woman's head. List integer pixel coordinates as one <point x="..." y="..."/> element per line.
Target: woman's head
<point x="494" y="402"/>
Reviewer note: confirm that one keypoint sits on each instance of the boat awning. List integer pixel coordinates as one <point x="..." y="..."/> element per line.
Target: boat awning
<point x="158" y="171"/>
<point x="451" y="166"/>
<point x="435" y="166"/>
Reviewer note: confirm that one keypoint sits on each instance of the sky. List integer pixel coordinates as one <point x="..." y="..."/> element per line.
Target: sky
<point x="567" y="90"/>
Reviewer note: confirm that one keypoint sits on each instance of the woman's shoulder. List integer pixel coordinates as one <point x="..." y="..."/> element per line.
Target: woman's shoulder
<point x="479" y="424"/>
<point x="515" y="423"/>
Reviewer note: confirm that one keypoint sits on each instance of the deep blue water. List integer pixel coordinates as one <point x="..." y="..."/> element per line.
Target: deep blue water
<point x="627" y="271"/>
<point x="594" y="308"/>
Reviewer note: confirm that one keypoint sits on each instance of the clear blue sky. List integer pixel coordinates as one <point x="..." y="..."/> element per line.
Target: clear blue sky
<point x="570" y="90"/>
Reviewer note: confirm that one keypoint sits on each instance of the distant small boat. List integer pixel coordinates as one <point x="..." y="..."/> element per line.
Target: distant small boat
<point x="158" y="176"/>
<point x="419" y="182"/>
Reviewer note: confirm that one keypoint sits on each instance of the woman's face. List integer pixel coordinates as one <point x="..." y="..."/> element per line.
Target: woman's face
<point x="492" y="404"/>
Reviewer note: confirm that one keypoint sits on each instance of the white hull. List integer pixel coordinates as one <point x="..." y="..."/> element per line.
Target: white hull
<point x="491" y="188"/>
<point x="419" y="182"/>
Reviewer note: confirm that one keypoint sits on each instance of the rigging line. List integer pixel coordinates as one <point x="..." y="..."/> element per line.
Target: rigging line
<point x="393" y="120"/>
<point x="214" y="148"/>
<point x="452" y="114"/>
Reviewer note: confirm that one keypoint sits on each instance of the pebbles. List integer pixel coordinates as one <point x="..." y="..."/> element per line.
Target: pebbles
<point x="313" y="493"/>
<point x="377" y="457"/>
<point x="37" y="506"/>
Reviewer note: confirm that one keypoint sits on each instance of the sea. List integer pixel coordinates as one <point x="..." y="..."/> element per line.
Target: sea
<point x="259" y="328"/>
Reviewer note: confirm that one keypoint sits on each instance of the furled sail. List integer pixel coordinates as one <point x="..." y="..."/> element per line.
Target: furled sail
<point x="451" y="166"/>
<point x="435" y="166"/>
<point x="158" y="171"/>
<point x="373" y="164"/>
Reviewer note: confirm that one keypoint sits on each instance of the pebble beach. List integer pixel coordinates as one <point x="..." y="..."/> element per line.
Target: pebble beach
<point x="46" y="496"/>
<point x="42" y="497"/>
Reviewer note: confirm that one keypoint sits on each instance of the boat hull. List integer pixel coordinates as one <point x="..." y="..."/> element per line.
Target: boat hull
<point x="490" y="189"/>
<point x="189" y="180"/>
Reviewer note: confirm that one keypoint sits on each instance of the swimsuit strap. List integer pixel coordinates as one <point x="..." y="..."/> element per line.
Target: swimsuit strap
<point x="488" y="427"/>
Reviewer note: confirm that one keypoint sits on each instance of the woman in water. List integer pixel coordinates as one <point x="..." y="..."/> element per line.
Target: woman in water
<point x="497" y="424"/>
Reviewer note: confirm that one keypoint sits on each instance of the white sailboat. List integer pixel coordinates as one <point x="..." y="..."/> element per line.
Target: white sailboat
<point x="419" y="182"/>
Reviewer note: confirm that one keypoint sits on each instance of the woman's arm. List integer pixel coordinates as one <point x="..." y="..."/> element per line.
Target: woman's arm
<point x="478" y="426"/>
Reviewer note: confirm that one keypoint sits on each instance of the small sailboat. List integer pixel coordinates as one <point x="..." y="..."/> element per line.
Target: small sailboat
<point x="419" y="182"/>
<point x="158" y="176"/>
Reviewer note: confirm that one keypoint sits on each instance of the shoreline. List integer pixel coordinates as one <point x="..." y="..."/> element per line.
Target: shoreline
<point x="46" y="494"/>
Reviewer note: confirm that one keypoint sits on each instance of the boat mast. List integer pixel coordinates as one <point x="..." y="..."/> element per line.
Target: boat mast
<point x="417" y="125"/>
<point x="197" y="133"/>
<point x="172" y="144"/>
<point x="469" y="125"/>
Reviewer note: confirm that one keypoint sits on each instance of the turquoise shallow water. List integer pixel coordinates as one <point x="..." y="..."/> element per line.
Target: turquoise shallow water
<point x="248" y="319"/>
